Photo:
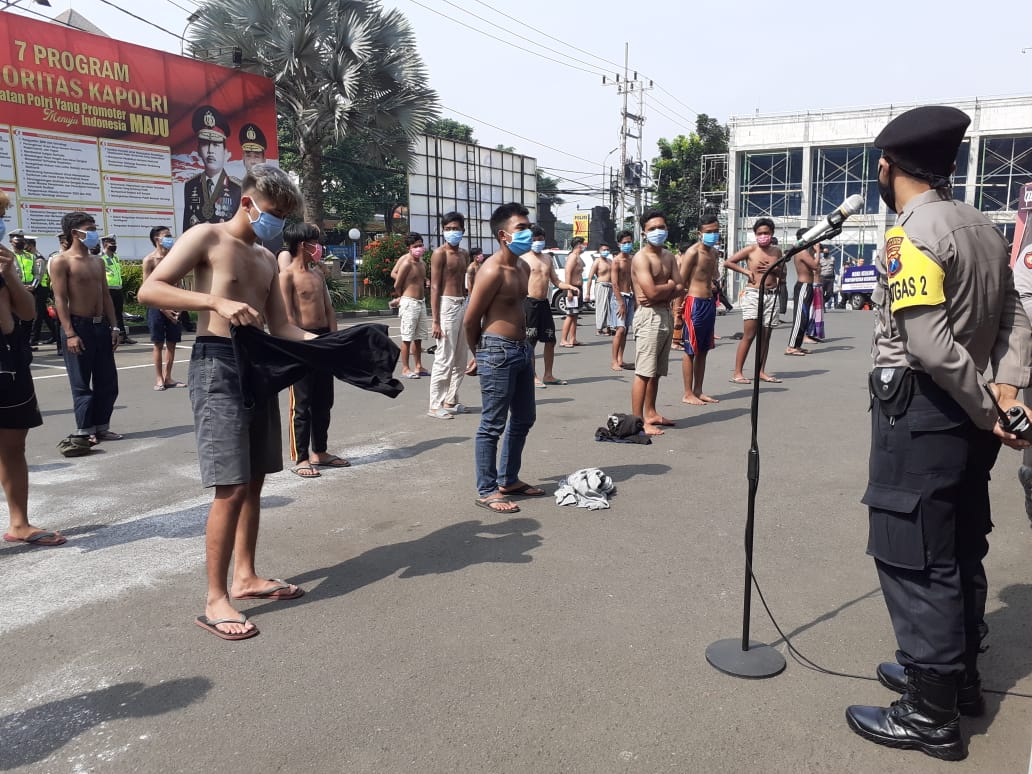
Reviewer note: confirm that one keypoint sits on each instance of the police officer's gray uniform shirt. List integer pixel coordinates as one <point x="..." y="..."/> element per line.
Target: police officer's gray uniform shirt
<point x="947" y="304"/>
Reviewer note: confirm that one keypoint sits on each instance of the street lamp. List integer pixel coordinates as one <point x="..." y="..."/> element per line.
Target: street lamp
<point x="182" y="38"/>
<point x="354" y="235"/>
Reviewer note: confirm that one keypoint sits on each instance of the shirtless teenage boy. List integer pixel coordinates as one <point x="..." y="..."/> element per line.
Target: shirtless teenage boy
<point x="698" y="268"/>
<point x="538" y="309"/>
<point x="758" y="258"/>
<point x="306" y="300"/>
<point x="19" y="410"/>
<point x="654" y="274"/>
<point x="496" y="330"/>
<point x="163" y="324"/>
<point x="573" y="271"/>
<point x="409" y="284"/>
<point x="807" y="270"/>
<point x="89" y="336"/>
<point x="447" y="301"/>
<point x="622" y="307"/>
<point x="600" y="287"/>
<point x="236" y="284"/>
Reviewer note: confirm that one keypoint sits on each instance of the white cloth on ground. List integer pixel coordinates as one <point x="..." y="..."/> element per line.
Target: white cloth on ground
<point x="587" y="488"/>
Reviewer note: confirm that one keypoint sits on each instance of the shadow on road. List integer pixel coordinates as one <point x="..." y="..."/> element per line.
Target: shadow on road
<point x="611" y="376"/>
<point x="58" y="412"/>
<point x="802" y="374"/>
<point x="48" y="467"/>
<point x="1006" y="662"/>
<point x="545" y="401"/>
<point x="160" y="432"/>
<point x="623" y="472"/>
<point x="448" y="549"/>
<point x="705" y="417"/>
<point x="827" y="616"/>
<point x="31" y="735"/>
<point x="405" y="452"/>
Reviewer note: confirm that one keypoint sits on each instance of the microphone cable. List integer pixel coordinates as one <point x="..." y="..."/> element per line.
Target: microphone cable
<point x="807" y="663"/>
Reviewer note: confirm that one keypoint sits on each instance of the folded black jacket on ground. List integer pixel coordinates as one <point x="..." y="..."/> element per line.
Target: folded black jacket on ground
<point x="623" y="428"/>
<point x="364" y="356"/>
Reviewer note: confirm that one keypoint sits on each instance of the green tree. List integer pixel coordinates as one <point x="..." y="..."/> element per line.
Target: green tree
<point x="359" y="182"/>
<point x="678" y="170"/>
<point x="548" y="189"/>
<point x="342" y="68"/>
<point x="450" y="129"/>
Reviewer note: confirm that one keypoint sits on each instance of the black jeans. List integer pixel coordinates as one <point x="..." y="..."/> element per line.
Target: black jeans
<point x="92" y="375"/>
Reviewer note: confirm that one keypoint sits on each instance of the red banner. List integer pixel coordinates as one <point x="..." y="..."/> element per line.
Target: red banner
<point x="144" y="137"/>
<point x="1022" y="244"/>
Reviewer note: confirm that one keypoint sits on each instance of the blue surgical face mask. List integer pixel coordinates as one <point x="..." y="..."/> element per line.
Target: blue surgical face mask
<point x="538" y="246"/>
<point x="604" y="253"/>
<point x="521" y="241"/>
<point x="711" y="239"/>
<point x="3" y="228"/>
<point x="453" y="237"/>
<point x="90" y="238"/>
<point x="626" y="247"/>
<point x="657" y="237"/>
<point x="167" y="242"/>
<point x="266" y="226"/>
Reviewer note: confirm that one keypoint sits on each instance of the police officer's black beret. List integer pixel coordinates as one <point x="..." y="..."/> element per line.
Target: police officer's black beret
<point x="210" y="124"/>
<point x="924" y="140"/>
<point x="252" y="138"/>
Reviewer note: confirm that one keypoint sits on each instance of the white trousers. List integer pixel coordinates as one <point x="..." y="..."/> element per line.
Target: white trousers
<point x="450" y="357"/>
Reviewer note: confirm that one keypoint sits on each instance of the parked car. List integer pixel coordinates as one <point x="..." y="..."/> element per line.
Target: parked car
<point x="557" y="297"/>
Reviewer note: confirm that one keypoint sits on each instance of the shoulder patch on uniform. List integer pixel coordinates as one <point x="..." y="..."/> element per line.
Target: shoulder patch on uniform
<point x="915" y="279"/>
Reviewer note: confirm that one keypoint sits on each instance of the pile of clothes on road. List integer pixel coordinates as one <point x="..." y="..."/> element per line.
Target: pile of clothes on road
<point x="588" y="488"/>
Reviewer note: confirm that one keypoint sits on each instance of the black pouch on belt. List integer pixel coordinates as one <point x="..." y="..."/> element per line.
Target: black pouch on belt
<point x="892" y="388"/>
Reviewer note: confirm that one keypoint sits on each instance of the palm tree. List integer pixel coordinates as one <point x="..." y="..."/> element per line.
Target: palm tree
<point x="341" y="67"/>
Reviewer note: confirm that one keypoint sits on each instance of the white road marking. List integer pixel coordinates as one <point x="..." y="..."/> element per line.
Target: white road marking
<point x="123" y="368"/>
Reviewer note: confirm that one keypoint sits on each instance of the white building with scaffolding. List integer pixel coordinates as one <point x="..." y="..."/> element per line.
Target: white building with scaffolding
<point x="796" y="168"/>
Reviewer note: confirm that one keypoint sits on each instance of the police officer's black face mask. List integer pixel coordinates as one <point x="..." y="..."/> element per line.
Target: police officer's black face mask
<point x="886" y="190"/>
<point x="17" y="244"/>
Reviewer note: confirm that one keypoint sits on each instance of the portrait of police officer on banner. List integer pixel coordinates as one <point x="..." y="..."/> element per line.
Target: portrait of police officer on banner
<point x="211" y="196"/>
<point x="253" y="144"/>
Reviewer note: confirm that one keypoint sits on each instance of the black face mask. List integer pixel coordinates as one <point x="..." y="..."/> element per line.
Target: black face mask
<point x="18" y="246"/>
<point x="886" y="191"/>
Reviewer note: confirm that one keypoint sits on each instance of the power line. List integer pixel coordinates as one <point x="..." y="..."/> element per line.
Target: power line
<point x="687" y="121"/>
<point x="45" y="17"/>
<point x="675" y="99"/>
<point x="495" y="37"/>
<point x="519" y="136"/>
<point x="182" y="8"/>
<point x="673" y="120"/>
<point x="117" y="7"/>
<point x="488" y="21"/>
<point x="542" y="32"/>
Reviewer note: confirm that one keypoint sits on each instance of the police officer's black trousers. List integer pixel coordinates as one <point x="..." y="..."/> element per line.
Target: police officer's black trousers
<point x="42" y="295"/>
<point x="928" y="503"/>
<point x="118" y="302"/>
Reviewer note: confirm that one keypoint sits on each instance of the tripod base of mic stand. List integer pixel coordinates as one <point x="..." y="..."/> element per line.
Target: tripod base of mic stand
<point x="757" y="662"/>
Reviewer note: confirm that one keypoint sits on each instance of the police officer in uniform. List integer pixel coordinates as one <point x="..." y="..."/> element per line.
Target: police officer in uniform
<point x="42" y="294"/>
<point x="113" y="272"/>
<point x="946" y="309"/>
<point x="24" y="263"/>
<point x="253" y="144"/>
<point x="211" y="196"/>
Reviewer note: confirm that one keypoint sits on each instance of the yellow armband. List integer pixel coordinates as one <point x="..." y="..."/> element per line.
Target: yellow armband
<point x="915" y="279"/>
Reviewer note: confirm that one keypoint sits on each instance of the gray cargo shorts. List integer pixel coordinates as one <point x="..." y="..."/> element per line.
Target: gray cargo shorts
<point x="234" y="444"/>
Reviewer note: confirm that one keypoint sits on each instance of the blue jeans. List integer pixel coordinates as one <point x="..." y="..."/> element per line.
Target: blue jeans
<point x="91" y="374"/>
<point x="506" y="371"/>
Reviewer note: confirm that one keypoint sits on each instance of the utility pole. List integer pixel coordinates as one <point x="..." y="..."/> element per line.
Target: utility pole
<point x="631" y="171"/>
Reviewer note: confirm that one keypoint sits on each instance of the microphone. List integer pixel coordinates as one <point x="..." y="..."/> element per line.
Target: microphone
<point x="850" y="206"/>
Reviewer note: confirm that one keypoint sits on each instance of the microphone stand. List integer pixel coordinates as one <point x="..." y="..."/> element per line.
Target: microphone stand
<point x="745" y="657"/>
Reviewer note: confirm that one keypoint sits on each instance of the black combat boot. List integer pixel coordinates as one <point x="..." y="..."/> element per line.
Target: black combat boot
<point x="970" y="701"/>
<point x="924" y="719"/>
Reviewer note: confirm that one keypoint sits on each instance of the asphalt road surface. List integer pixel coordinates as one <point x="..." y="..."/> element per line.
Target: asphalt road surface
<point x="436" y="637"/>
